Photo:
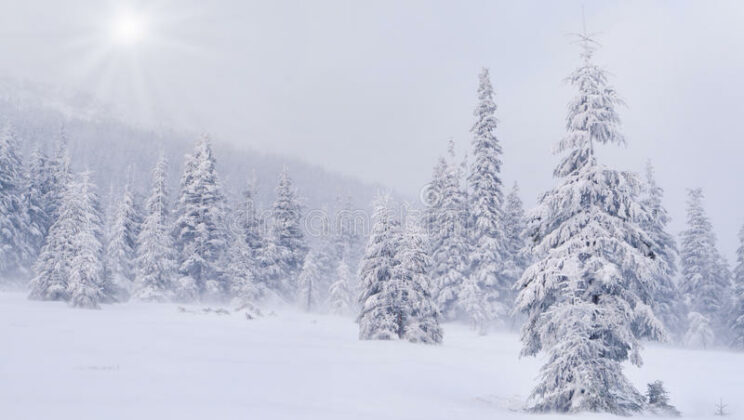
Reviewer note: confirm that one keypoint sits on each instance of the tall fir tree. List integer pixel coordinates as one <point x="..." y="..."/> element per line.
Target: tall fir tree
<point x="347" y="232"/>
<point x="667" y="302"/>
<point x="704" y="284"/>
<point x="70" y="266"/>
<point x="15" y="227"/>
<point x="488" y="255"/>
<point x="200" y="233"/>
<point x="61" y="175"/>
<point x="87" y="285"/>
<point x="450" y="263"/>
<point x="378" y="319"/>
<point x="247" y="255"/>
<point x="309" y="283"/>
<point x="412" y="290"/>
<point x="341" y="292"/>
<point x="155" y="264"/>
<point x="121" y="244"/>
<point x="736" y="323"/>
<point x="38" y="189"/>
<point x="594" y="271"/>
<point x="289" y="246"/>
<point x="517" y="255"/>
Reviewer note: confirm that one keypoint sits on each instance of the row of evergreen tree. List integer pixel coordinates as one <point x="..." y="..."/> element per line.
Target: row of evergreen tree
<point x="53" y="226"/>
<point x="592" y="267"/>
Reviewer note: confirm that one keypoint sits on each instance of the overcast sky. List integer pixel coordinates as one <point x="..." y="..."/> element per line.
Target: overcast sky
<point x="374" y="89"/>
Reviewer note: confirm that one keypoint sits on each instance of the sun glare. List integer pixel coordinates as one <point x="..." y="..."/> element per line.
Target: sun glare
<point x="129" y="29"/>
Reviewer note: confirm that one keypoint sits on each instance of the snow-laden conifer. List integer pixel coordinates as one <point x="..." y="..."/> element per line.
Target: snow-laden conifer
<point x="37" y="196"/>
<point x="347" y="233"/>
<point x="473" y="304"/>
<point x="594" y="271"/>
<point x="736" y="323"/>
<point x="488" y="254"/>
<point x="70" y="266"/>
<point x="658" y="400"/>
<point x="419" y="313"/>
<point x="61" y="175"/>
<point x="378" y="319"/>
<point x="247" y="271"/>
<point x="309" y="283"/>
<point x="450" y="255"/>
<point x="341" y="294"/>
<point x="87" y="285"/>
<point x="200" y="232"/>
<point x="289" y="248"/>
<point x="517" y="255"/>
<point x="705" y="281"/>
<point x="156" y="257"/>
<point x="667" y="302"/>
<point x="121" y="244"/>
<point x="15" y="228"/>
<point x="699" y="332"/>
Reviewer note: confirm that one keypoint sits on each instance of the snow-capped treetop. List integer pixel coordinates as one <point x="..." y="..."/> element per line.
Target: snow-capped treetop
<point x="592" y="117"/>
<point x="157" y="203"/>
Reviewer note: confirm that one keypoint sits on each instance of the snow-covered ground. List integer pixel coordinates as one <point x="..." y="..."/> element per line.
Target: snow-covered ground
<point x="145" y="361"/>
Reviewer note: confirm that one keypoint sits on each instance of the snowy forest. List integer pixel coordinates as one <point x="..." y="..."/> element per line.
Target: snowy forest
<point x="236" y="244"/>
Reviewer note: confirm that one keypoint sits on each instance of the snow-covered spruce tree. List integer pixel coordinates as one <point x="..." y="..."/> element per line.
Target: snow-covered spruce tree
<point x="348" y="238"/>
<point x="450" y="264"/>
<point x="121" y="244"/>
<point x="488" y="254"/>
<point x="473" y="304"/>
<point x="341" y="293"/>
<point x="247" y="265"/>
<point x="156" y="258"/>
<point x="53" y="265"/>
<point x="699" y="332"/>
<point x="61" y="175"/>
<point x="658" y="400"/>
<point x="15" y="228"/>
<point x="327" y="260"/>
<point x="419" y="313"/>
<point x="289" y="248"/>
<point x="432" y="199"/>
<point x="517" y="254"/>
<point x="309" y="283"/>
<point x="200" y="232"/>
<point x="378" y="319"/>
<point x="736" y="323"/>
<point x="87" y="285"/>
<point x="704" y="283"/>
<point x="70" y="266"/>
<point x="667" y="302"/>
<point x="594" y="271"/>
<point x="37" y="196"/>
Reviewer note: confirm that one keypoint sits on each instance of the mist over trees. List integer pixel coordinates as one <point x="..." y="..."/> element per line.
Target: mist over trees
<point x="587" y="275"/>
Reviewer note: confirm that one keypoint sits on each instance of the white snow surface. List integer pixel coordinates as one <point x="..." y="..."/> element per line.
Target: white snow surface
<point x="152" y="361"/>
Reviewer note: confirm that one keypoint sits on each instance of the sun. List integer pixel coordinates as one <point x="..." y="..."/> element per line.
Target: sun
<point x="129" y="29"/>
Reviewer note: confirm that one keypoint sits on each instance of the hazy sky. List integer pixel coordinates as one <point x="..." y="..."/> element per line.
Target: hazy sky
<point x="375" y="89"/>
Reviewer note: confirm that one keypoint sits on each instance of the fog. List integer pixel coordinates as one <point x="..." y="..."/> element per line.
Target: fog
<point x="375" y="89"/>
